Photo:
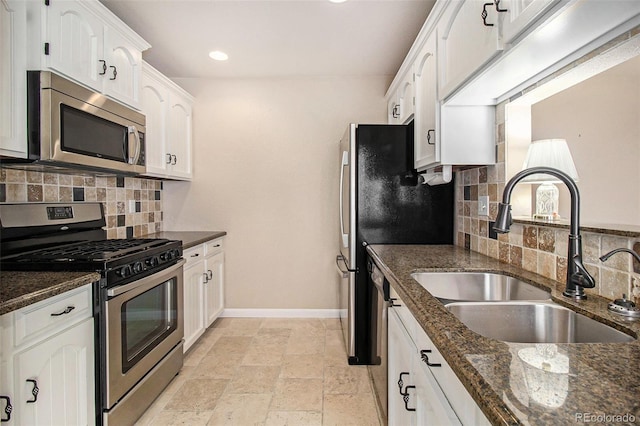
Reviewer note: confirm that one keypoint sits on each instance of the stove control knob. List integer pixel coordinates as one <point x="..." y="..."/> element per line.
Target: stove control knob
<point x="176" y="253"/>
<point x="137" y="267"/>
<point x="125" y="271"/>
<point x="152" y="261"/>
<point x="169" y="255"/>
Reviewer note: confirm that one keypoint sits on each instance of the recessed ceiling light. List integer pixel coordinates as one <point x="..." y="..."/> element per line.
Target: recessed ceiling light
<point x="337" y="1"/>
<point x="218" y="55"/>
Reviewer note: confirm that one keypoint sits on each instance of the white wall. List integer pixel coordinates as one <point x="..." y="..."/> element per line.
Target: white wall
<point x="600" y="119"/>
<point x="266" y="171"/>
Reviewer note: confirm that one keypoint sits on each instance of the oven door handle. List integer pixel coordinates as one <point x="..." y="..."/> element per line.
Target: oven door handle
<point x="115" y="291"/>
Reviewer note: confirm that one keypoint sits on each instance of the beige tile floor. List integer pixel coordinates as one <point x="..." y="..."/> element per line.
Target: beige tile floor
<point x="271" y="371"/>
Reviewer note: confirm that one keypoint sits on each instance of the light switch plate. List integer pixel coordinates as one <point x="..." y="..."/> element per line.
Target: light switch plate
<point x="483" y="205"/>
<point x="132" y="206"/>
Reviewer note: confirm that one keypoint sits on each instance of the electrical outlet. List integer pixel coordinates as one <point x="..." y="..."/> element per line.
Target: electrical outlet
<point x="483" y="205"/>
<point x="132" y="206"/>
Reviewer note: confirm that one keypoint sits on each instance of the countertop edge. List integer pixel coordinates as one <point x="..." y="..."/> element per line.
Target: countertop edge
<point x="63" y="286"/>
<point x="189" y="238"/>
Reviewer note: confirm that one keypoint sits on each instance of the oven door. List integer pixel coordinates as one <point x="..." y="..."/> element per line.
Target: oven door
<point x="144" y="322"/>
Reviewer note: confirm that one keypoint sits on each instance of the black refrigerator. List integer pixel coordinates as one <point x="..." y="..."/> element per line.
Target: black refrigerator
<point x="381" y="202"/>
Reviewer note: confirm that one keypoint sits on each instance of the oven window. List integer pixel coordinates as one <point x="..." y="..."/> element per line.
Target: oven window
<point x="146" y="320"/>
<point x="87" y="134"/>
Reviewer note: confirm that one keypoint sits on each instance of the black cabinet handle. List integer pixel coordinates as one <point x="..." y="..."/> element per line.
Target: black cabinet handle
<point x="425" y="358"/>
<point x="115" y="73"/>
<point x="393" y="304"/>
<point x="429" y="137"/>
<point x="174" y="160"/>
<point x="66" y="311"/>
<point x="209" y="274"/>
<point x="484" y="14"/>
<point x="104" y="67"/>
<point x="400" y="382"/>
<point x="168" y="158"/>
<point x="497" y="2"/>
<point x="405" y="398"/>
<point x="206" y="277"/>
<point x="34" y="391"/>
<point x="395" y="113"/>
<point x="7" y="409"/>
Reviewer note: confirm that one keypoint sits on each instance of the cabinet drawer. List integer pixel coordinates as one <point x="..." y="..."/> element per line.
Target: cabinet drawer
<point x="43" y="319"/>
<point x="214" y="246"/>
<point x="194" y="254"/>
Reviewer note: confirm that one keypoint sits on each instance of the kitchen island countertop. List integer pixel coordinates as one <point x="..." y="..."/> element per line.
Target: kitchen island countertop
<point x="603" y="379"/>
<point x="22" y="288"/>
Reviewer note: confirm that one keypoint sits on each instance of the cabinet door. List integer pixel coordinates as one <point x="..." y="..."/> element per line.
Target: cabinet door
<point x="155" y="106"/>
<point x="62" y="369"/>
<point x="124" y="62"/>
<point x="432" y="405"/>
<point x="400" y="352"/>
<point x="466" y="41"/>
<point x="520" y="14"/>
<point x="406" y="97"/>
<point x="75" y="37"/>
<point x="13" y="62"/>
<point x="193" y="303"/>
<point x="179" y="136"/>
<point x="426" y="149"/>
<point x="214" y="288"/>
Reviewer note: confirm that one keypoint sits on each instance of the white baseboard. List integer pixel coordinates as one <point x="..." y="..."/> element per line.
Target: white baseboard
<point x="281" y="313"/>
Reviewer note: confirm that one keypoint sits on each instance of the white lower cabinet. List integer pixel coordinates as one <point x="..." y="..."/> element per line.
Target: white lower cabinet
<point x="47" y="362"/>
<point x="203" y="288"/>
<point x="423" y="389"/>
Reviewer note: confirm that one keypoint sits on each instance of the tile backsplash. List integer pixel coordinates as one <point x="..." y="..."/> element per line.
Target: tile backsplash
<point x="133" y="206"/>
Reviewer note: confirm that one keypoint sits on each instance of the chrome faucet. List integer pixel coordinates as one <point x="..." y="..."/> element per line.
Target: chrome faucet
<point x="606" y="257"/>
<point x="578" y="278"/>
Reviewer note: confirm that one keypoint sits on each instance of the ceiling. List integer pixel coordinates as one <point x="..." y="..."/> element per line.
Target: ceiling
<point x="266" y="38"/>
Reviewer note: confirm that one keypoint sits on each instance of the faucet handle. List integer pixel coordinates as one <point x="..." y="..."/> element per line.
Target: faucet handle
<point x="582" y="277"/>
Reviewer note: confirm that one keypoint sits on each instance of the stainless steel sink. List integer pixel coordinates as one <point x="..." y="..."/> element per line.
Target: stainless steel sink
<point x="534" y="322"/>
<point x="477" y="286"/>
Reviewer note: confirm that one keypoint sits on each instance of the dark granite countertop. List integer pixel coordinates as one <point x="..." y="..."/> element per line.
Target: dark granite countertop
<point x="603" y="379"/>
<point x="189" y="238"/>
<point x="22" y="288"/>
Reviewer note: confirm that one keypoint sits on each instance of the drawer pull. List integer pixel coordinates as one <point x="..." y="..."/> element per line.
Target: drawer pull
<point x="209" y="274"/>
<point x="195" y="255"/>
<point x="66" y="311"/>
<point x="217" y="245"/>
<point x="34" y="391"/>
<point x="393" y="303"/>
<point x="405" y="398"/>
<point x="7" y="409"/>
<point x="400" y="382"/>
<point x="425" y="358"/>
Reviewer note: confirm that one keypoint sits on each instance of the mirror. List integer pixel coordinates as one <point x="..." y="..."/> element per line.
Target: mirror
<point x="595" y="106"/>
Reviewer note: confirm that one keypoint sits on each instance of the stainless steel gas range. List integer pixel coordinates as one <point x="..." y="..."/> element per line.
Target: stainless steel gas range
<point x="138" y="303"/>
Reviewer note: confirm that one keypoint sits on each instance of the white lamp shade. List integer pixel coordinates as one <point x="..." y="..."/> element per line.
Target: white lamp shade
<point x="549" y="153"/>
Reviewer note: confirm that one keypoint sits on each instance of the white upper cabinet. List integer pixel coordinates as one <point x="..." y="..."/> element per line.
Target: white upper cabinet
<point x="468" y="33"/>
<point x="168" y="139"/>
<point x="406" y="97"/>
<point x="87" y="43"/>
<point x="13" y="79"/>
<point x="426" y="127"/>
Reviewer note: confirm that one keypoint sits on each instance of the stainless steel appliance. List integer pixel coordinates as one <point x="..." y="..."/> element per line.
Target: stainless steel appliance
<point x="379" y="320"/>
<point x="72" y="127"/>
<point x="138" y="302"/>
<point x="381" y="202"/>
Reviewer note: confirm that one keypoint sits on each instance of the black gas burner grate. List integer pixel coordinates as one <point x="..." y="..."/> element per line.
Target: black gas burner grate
<point x="92" y="250"/>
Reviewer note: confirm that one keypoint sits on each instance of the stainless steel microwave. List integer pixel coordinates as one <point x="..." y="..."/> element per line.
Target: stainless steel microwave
<point x="72" y="127"/>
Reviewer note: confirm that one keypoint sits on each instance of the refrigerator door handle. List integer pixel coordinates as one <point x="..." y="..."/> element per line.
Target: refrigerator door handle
<point x="345" y="272"/>
<point x="345" y="162"/>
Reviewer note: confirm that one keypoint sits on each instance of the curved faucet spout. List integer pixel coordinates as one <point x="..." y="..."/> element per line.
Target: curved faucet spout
<point x="578" y="277"/>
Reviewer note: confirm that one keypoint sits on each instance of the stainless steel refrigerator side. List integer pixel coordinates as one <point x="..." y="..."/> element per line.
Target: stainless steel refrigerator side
<point x="347" y="238"/>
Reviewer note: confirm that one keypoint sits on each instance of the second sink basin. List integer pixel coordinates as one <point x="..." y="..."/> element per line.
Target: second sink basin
<point x="534" y="322"/>
<point x="477" y="286"/>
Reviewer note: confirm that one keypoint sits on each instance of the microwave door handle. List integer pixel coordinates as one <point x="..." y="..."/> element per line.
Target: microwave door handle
<point x="133" y="154"/>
